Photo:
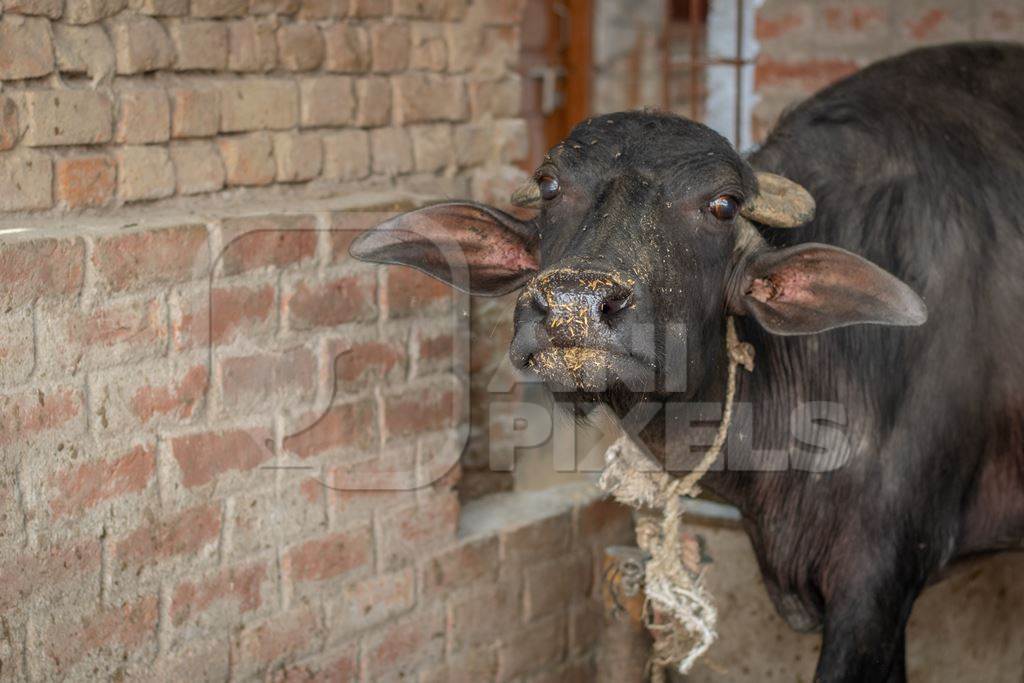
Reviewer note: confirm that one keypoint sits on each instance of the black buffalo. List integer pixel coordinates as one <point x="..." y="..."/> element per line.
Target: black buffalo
<point x="652" y="230"/>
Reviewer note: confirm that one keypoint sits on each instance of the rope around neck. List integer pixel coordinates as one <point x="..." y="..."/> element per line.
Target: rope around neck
<point x="670" y="587"/>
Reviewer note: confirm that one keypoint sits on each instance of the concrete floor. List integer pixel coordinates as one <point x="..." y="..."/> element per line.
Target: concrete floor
<point x="967" y="628"/>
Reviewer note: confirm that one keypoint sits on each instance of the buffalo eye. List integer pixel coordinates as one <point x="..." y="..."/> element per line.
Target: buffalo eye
<point x="723" y="207"/>
<point x="548" y="186"/>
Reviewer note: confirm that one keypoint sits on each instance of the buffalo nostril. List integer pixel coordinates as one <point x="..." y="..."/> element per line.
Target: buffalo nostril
<point x="613" y="304"/>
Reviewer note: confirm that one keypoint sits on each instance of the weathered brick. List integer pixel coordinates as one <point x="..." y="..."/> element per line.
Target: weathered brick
<point x="282" y="638"/>
<point x="423" y="97"/>
<point x="27" y="179"/>
<point x="250" y="105"/>
<point x="407" y="532"/>
<point x="327" y="101"/>
<point x="369" y="8"/>
<point x="29" y="415"/>
<point x="116" y="631"/>
<point x="67" y="117"/>
<point x="511" y="141"/>
<point x="346" y="48"/>
<point x="603" y="523"/>
<point x="467" y="666"/>
<point x="413" y="412"/>
<point x="404" y="644"/>
<point x="248" y="159"/>
<point x="86" y="485"/>
<point x="346" y="155"/>
<point x="108" y="333"/>
<point x="533" y="648"/>
<point x="268" y="520"/>
<point x="10" y="131"/>
<point x="409" y="292"/>
<point x="339" y="300"/>
<point x="300" y="46"/>
<point x="435" y="352"/>
<point x="89" y="11"/>
<point x="199" y="45"/>
<point x="140" y="45"/>
<point x="54" y="565"/>
<point x="344" y="426"/>
<point x="219" y="8"/>
<point x="144" y="116"/>
<point x="184" y="533"/>
<point x="323" y="9"/>
<point x="374" y="96"/>
<point x="807" y="75"/>
<point x="195" y="112"/>
<point x="330" y="556"/>
<point x="26" y="50"/>
<point x="552" y="585"/>
<point x="538" y="540"/>
<point x="236" y="590"/>
<point x="160" y="8"/>
<point x="84" y="50"/>
<point x="500" y="99"/>
<point x="148" y="395"/>
<point x="145" y="172"/>
<point x="369" y="602"/>
<point x="483" y="614"/>
<point x="197" y="167"/>
<point x="222" y="314"/>
<point x="276" y="240"/>
<point x="473" y="143"/>
<point x="17" y="348"/>
<point x="39" y="268"/>
<point x="389" y="47"/>
<point x="46" y="8"/>
<point x="144" y="258"/>
<point x="205" y="457"/>
<point x="428" y="51"/>
<point x="338" y="664"/>
<point x="259" y="382"/>
<point x="363" y="364"/>
<point x="299" y="156"/>
<point x="470" y="562"/>
<point x="927" y="23"/>
<point x="586" y="623"/>
<point x="391" y="150"/>
<point x="432" y="147"/>
<point x="252" y="45"/>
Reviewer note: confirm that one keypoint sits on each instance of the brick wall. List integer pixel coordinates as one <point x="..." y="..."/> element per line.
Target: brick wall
<point x="806" y="45"/>
<point x="153" y="378"/>
<point x="114" y="102"/>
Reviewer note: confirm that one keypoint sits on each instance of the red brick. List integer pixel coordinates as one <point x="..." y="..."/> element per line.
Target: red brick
<point x="147" y="257"/>
<point x="241" y="587"/>
<point x="204" y="457"/>
<point x="145" y="117"/>
<point x="375" y="483"/>
<point x="334" y="667"/>
<point x="265" y="520"/>
<point x="194" y="112"/>
<point x="435" y="352"/>
<point x="40" y="267"/>
<point x="222" y="314"/>
<point x="483" y="615"/>
<point x="345" y="426"/>
<point x="84" y="182"/>
<point x="87" y="485"/>
<point x="249" y="383"/>
<point x="119" y="630"/>
<point x="537" y="647"/>
<point x="809" y="75"/>
<point x="276" y="241"/>
<point x="28" y="415"/>
<point x="178" y="399"/>
<point x="409" y="292"/>
<point x="537" y="540"/>
<point x="415" y="412"/>
<point x="405" y="643"/>
<point x="345" y="299"/>
<point x="921" y="27"/>
<point x="552" y="585"/>
<point x="180" y="534"/>
<point x="468" y="562"/>
<point x="17" y="347"/>
<point x="371" y="601"/>
<point x="109" y="334"/>
<point x="364" y="364"/>
<point x="408" y="532"/>
<point x="771" y="27"/>
<point x="467" y="666"/>
<point x="50" y="567"/>
<point x="285" y="636"/>
<point x="329" y="556"/>
<point x="346" y="226"/>
<point x="855" y="19"/>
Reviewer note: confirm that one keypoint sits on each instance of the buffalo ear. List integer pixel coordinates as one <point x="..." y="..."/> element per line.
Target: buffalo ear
<point x="475" y="248"/>
<point x="814" y="287"/>
<point x="779" y="202"/>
